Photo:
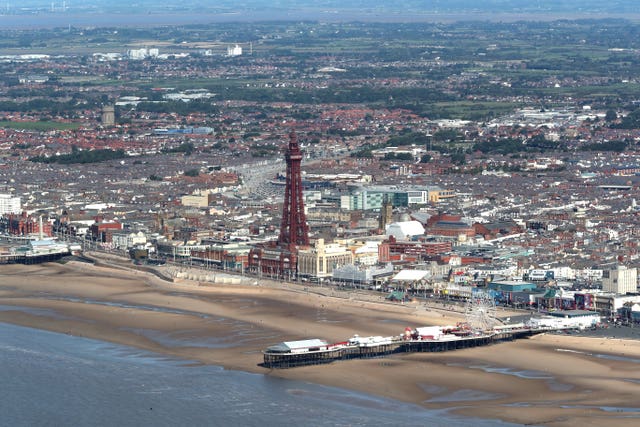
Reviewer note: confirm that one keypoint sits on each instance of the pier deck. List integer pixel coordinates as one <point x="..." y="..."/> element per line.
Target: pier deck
<point x="285" y="360"/>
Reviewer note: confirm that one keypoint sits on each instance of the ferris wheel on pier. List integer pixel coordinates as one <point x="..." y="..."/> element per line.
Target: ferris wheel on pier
<point x="480" y="312"/>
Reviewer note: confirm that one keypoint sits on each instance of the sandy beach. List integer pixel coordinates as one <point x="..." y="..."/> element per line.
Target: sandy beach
<point x="546" y="380"/>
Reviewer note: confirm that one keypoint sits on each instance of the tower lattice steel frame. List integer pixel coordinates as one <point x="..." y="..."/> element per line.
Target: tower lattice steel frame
<point x="294" y="231"/>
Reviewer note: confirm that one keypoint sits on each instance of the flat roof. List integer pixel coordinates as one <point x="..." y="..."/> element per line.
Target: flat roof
<point x="572" y="313"/>
<point x="411" y="275"/>
<point x="292" y="345"/>
<point x="512" y="282"/>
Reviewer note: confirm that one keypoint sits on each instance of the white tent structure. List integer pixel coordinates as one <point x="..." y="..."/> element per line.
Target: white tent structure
<point x="411" y="278"/>
<point x="404" y="230"/>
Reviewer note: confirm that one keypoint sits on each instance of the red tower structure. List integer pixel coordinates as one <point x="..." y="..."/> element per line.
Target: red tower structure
<point x="294" y="230"/>
<point x="281" y="258"/>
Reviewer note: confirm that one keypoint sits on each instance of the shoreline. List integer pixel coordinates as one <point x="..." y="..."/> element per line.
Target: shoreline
<point x="551" y="379"/>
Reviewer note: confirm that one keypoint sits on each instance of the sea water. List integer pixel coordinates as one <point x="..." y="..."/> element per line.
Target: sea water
<point x="53" y="379"/>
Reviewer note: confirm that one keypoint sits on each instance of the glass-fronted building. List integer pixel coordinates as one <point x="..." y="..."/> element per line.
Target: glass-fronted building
<point x="372" y="198"/>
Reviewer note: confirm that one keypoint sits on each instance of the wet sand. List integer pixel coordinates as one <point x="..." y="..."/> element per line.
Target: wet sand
<point x="548" y="379"/>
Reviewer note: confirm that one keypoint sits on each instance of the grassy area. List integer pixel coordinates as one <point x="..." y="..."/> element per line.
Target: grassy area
<point x="468" y="110"/>
<point x="38" y="126"/>
<point x="594" y="92"/>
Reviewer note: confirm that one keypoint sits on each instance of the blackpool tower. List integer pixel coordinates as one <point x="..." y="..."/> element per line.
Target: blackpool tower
<point x="294" y="231"/>
<point x="280" y="259"/>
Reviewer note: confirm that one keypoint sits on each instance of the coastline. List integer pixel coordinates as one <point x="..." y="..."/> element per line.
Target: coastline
<point x="549" y="379"/>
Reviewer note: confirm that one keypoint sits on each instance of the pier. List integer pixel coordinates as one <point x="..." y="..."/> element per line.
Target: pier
<point x="293" y="354"/>
<point x="30" y="258"/>
<point x="29" y="250"/>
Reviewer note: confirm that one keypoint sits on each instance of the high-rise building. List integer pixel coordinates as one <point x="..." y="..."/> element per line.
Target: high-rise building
<point x="9" y="204"/>
<point x="108" y="115"/>
<point x="620" y="280"/>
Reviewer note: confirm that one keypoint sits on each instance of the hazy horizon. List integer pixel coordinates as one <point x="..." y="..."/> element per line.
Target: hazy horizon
<point x="43" y="13"/>
<point x="582" y="6"/>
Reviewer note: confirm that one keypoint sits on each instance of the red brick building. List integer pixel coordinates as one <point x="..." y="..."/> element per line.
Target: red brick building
<point x="491" y="230"/>
<point x="23" y="225"/>
<point x="389" y="249"/>
<point x="449" y="226"/>
<point x="103" y="231"/>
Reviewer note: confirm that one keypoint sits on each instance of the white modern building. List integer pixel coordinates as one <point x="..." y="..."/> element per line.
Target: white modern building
<point x="128" y="240"/>
<point x="234" y="50"/>
<point x="143" y="53"/>
<point x="362" y="273"/>
<point x="579" y="319"/>
<point x="405" y="230"/>
<point x="9" y="204"/>
<point x="620" y="280"/>
<point x="373" y="197"/>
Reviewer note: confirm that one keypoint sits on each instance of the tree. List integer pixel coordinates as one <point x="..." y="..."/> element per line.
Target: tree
<point x="458" y="158"/>
<point x="76" y="156"/>
<point x="630" y="121"/>
<point x="364" y="153"/>
<point x="610" y="116"/>
<point x="616" y="146"/>
<point x="186" y="148"/>
<point x="446" y="135"/>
